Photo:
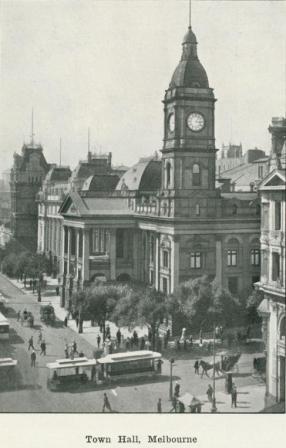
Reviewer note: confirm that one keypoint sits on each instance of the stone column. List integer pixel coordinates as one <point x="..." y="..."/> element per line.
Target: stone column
<point x="76" y="253"/>
<point x="85" y="255"/>
<point x="135" y="254"/>
<point x="157" y="263"/>
<point x="69" y="250"/>
<point x="112" y="253"/>
<point x="175" y="263"/>
<point x="218" y="257"/>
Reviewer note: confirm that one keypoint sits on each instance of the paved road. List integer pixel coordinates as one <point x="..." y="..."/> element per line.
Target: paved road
<point x="30" y="394"/>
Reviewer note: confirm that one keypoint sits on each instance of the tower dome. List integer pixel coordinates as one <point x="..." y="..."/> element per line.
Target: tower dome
<point x="189" y="72"/>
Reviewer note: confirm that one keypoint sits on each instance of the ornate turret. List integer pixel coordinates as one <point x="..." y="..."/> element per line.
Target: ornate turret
<point x="189" y="72"/>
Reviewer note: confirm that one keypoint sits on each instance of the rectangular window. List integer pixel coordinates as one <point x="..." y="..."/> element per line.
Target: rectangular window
<point x="255" y="257"/>
<point x="275" y="266"/>
<point x="277" y="215"/>
<point x="119" y="243"/>
<point x="151" y="277"/>
<point x="233" y="285"/>
<point x="260" y="172"/>
<point x="165" y="285"/>
<point x="196" y="260"/>
<point x="165" y="259"/>
<point x="232" y="257"/>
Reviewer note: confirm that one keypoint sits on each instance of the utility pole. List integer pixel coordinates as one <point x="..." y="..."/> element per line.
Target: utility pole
<point x="214" y="408"/>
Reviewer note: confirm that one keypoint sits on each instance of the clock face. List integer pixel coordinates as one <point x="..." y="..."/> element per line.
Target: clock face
<point x="171" y="122"/>
<point x="195" y="121"/>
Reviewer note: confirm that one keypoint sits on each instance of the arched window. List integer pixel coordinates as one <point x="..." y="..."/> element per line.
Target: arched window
<point x="232" y="252"/>
<point x="168" y="174"/>
<point x="196" y="175"/>
<point x="198" y="211"/>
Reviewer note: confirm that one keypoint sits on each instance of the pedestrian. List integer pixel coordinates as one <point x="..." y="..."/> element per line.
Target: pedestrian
<point x="159" y="365"/>
<point x="31" y="343"/>
<point x="210" y="393"/>
<point x="118" y="337"/>
<point x="77" y="321"/>
<point x="18" y="316"/>
<point x="177" y="389"/>
<point x="174" y="404"/>
<point x="135" y="338"/>
<point x="168" y="334"/>
<point x="106" y="404"/>
<point x="74" y="347"/>
<point x="57" y="291"/>
<point x="81" y="354"/>
<point x="255" y="364"/>
<point x="33" y="358"/>
<point x="66" y="321"/>
<point x="98" y="339"/>
<point x="159" y="406"/>
<point x="197" y="367"/>
<point x="66" y="351"/>
<point x="142" y="343"/>
<point x="233" y="396"/>
<point x="43" y="348"/>
<point x="178" y="345"/>
<point x="107" y="331"/>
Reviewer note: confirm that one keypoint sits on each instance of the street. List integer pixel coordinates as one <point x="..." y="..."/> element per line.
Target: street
<point x="29" y="393"/>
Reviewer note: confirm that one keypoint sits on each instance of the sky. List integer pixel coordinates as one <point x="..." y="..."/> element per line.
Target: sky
<point x="105" y="65"/>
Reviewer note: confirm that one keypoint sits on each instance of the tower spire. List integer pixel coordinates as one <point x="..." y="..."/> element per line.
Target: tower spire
<point x="190" y="13"/>
<point x="60" y="151"/>
<point x="32" y="128"/>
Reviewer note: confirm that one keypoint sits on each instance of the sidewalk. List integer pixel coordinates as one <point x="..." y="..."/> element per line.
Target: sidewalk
<point x="90" y="333"/>
<point x="249" y="399"/>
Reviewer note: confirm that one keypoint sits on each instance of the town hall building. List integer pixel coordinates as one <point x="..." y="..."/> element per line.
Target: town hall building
<point x="165" y="221"/>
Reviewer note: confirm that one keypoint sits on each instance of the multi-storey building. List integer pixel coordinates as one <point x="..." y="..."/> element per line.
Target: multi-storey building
<point x="91" y="174"/>
<point x="55" y="187"/>
<point x="28" y="172"/>
<point x="272" y="281"/>
<point x="165" y="221"/>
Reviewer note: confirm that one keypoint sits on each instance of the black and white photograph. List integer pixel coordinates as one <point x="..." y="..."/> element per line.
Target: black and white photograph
<point x="142" y="209"/>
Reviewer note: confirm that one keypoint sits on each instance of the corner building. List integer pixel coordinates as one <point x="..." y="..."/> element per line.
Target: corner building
<point x="165" y="221"/>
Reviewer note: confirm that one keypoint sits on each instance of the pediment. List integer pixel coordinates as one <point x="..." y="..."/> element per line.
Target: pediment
<point x="274" y="179"/>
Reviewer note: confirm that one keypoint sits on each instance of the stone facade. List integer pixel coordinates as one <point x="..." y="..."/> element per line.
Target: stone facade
<point x="166" y="221"/>
<point x="28" y="172"/>
<point x="272" y="281"/>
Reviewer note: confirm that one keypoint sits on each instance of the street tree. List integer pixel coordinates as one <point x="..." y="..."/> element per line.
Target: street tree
<point x="101" y="301"/>
<point x="199" y="303"/>
<point x="142" y="306"/>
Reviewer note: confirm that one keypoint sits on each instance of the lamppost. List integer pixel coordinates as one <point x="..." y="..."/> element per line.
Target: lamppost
<point x="171" y="379"/>
<point x="214" y="408"/>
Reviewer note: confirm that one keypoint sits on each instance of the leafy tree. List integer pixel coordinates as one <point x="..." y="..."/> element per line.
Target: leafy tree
<point x="202" y="303"/>
<point x="142" y="306"/>
<point x="252" y="305"/>
<point x="101" y="301"/>
<point x="9" y="263"/>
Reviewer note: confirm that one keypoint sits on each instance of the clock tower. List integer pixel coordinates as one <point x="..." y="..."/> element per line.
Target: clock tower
<point x="188" y="154"/>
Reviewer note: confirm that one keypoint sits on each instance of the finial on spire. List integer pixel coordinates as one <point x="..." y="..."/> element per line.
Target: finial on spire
<point x="88" y="139"/>
<point x="190" y="13"/>
<point x="32" y="128"/>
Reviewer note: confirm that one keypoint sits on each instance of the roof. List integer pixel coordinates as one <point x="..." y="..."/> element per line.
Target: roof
<point x="242" y="175"/>
<point x="68" y="363"/>
<point x="58" y="173"/>
<point x="189" y="72"/>
<point x="241" y="195"/>
<point x="275" y="180"/>
<point x="75" y="205"/>
<point x="129" y="356"/>
<point x="101" y="182"/>
<point x="144" y="176"/>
